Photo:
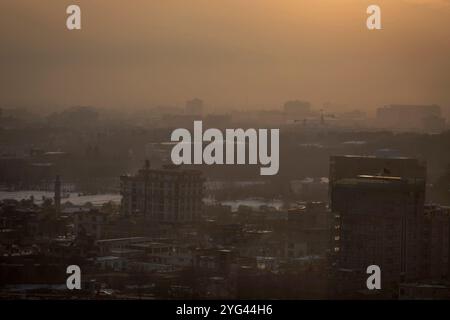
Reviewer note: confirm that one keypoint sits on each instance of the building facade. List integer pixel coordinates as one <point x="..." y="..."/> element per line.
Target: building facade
<point x="379" y="220"/>
<point x="170" y="194"/>
<point x="436" y="243"/>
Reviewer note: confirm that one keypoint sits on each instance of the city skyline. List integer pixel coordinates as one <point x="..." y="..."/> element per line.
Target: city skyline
<point x="197" y="151"/>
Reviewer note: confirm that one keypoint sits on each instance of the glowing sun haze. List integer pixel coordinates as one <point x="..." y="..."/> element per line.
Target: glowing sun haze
<point x="250" y="53"/>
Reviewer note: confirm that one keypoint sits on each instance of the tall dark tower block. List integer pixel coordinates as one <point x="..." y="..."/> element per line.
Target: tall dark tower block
<point x="378" y="206"/>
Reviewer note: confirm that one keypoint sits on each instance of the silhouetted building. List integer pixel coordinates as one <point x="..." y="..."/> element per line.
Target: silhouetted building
<point x="436" y="243"/>
<point x="297" y="109"/>
<point x="350" y="166"/>
<point x="378" y="220"/>
<point x="411" y="117"/>
<point x="90" y="224"/>
<point x="169" y="194"/>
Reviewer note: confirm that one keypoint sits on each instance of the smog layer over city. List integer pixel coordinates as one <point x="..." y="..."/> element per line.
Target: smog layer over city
<point x="225" y="150"/>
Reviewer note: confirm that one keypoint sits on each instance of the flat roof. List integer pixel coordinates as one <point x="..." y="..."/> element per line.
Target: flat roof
<point x="122" y="239"/>
<point x="367" y="176"/>
<point x="370" y="157"/>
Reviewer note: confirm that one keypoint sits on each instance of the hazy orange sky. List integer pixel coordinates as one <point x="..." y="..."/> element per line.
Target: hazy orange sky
<point x="237" y="53"/>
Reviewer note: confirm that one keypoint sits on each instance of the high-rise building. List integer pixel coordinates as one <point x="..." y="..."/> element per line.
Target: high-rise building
<point x="378" y="206"/>
<point x="170" y="194"/>
<point x="350" y="166"/>
<point x="436" y="243"/>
